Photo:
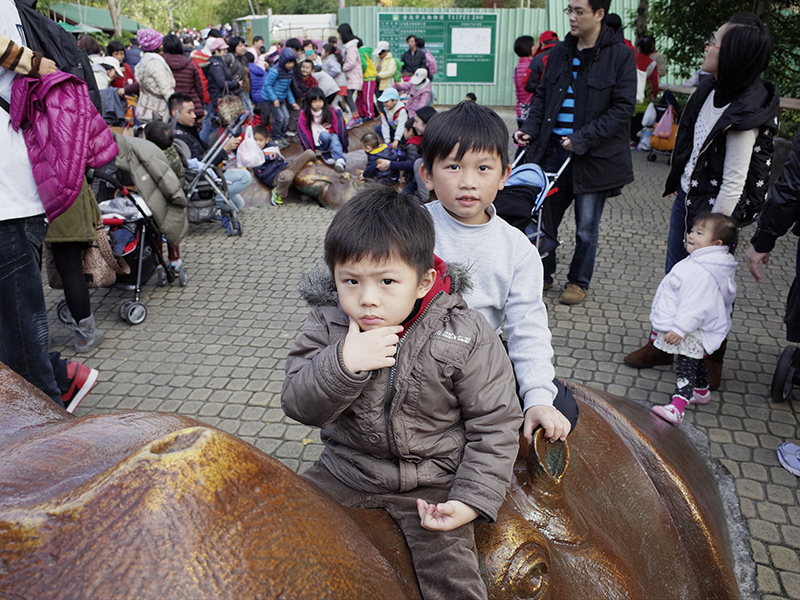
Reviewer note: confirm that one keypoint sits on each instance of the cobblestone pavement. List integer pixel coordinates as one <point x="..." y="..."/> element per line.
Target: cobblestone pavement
<point x="215" y="349"/>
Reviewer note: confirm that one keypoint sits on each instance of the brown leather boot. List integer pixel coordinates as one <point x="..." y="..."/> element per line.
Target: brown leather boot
<point x="648" y="356"/>
<point x="714" y="366"/>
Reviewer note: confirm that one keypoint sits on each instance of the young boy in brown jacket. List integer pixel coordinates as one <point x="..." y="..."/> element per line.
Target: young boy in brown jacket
<point x="413" y="391"/>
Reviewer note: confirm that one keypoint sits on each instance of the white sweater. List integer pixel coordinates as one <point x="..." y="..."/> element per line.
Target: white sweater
<point x="507" y="278"/>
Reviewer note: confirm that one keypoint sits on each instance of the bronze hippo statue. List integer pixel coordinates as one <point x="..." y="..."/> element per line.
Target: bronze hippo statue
<point x="150" y="505"/>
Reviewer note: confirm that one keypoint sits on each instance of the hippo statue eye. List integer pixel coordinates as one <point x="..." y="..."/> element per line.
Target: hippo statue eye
<point x="526" y="577"/>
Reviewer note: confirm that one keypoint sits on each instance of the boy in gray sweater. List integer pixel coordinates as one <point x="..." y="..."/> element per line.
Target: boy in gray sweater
<point x="466" y="162"/>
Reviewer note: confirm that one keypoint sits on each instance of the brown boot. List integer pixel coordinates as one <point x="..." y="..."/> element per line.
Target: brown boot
<point x="714" y="366"/>
<point x="648" y="356"/>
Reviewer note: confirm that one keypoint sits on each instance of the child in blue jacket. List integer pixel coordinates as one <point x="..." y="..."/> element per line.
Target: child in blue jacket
<point x="277" y="89"/>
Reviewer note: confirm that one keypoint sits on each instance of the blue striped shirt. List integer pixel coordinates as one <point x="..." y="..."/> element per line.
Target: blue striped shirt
<point x="566" y="117"/>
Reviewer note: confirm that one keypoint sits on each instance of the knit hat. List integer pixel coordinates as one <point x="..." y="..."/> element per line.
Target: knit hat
<point x="149" y="39"/>
<point x="214" y="44"/>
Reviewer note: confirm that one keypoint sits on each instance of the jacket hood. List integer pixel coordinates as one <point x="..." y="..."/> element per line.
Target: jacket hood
<point x="759" y="104"/>
<point x="721" y="265"/>
<point x="177" y="61"/>
<point x="608" y="37"/>
<point x="286" y="55"/>
<point x="317" y="288"/>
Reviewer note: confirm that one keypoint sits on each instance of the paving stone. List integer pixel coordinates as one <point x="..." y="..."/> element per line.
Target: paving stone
<point x="791" y="584"/>
<point x="767" y="580"/>
<point x="785" y="559"/>
<point x="763" y="530"/>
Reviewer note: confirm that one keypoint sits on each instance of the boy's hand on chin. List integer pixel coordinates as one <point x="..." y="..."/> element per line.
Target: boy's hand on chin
<point x="445" y="516"/>
<point x="370" y="350"/>
<point x="556" y="426"/>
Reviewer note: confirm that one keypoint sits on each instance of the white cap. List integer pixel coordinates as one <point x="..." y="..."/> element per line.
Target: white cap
<point x="109" y="62"/>
<point x="381" y="47"/>
<point x="419" y="76"/>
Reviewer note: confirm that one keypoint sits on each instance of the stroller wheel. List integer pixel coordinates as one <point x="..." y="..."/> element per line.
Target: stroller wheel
<point x="651" y="158"/>
<point x="183" y="278"/>
<point x="161" y="276"/>
<point x="136" y="313"/>
<point x="237" y="225"/>
<point x="62" y="310"/>
<point x="123" y="309"/>
<point x="783" y="379"/>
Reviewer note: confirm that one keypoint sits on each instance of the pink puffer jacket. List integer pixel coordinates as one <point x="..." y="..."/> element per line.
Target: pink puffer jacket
<point x="64" y="134"/>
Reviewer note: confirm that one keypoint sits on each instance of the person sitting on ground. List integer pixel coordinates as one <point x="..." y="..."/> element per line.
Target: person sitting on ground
<point x="376" y="150"/>
<point x="411" y="161"/>
<point x="307" y="71"/>
<point x="161" y="135"/>
<point x="182" y="108"/>
<point x="356" y="369"/>
<point x="394" y="116"/>
<point x="468" y="145"/>
<point x="419" y="92"/>
<point x="276" y="172"/>
<point x="116" y="50"/>
<point x="322" y="128"/>
<point x="692" y="309"/>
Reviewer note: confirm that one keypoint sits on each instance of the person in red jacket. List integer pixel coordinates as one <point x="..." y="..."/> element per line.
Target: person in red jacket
<point x="187" y="76"/>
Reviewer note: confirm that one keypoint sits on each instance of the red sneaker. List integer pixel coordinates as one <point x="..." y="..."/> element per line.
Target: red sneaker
<point x="81" y="381"/>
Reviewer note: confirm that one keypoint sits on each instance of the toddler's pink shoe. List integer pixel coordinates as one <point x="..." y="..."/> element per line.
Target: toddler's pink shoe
<point x="701" y="397"/>
<point x="670" y="413"/>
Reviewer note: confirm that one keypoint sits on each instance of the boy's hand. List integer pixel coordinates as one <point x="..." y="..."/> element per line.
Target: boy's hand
<point x="445" y="516"/>
<point x="395" y="144"/>
<point x="370" y="350"/>
<point x="556" y="426"/>
<point x="276" y="103"/>
<point x="672" y="338"/>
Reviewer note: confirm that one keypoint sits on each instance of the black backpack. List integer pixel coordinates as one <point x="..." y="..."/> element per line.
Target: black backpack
<point x="48" y="37"/>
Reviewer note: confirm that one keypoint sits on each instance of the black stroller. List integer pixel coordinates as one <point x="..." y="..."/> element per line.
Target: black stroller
<point x="521" y="203"/>
<point x="139" y="241"/>
<point x="206" y="181"/>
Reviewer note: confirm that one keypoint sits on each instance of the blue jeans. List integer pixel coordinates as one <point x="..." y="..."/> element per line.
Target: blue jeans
<point x="676" y="247"/>
<point x="24" y="332"/>
<point x="588" y="212"/>
<point x="330" y="142"/>
<point x="238" y="180"/>
<point x="280" y="115"/>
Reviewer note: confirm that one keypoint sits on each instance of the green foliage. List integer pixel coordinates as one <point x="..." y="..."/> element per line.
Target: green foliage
<point x="688" y="23"/>
<point x="789" y="124"/>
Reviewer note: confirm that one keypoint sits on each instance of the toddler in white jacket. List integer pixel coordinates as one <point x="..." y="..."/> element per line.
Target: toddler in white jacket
<point x="692" y="309"/>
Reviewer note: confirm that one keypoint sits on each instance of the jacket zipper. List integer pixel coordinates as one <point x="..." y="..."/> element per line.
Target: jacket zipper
<point x="393" y="371"/>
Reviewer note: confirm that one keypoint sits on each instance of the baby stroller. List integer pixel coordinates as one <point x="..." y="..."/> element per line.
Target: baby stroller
<point x="663" y="146"/>
<point x="138" y="240"/>
<point x="521" y="203"/>
<point x="205" y="181"/>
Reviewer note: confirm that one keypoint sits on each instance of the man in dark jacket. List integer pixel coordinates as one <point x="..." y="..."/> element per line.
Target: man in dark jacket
<point x="582" y="109"/>
<point x="414" y="58"/>
<point x="781" y="211"/>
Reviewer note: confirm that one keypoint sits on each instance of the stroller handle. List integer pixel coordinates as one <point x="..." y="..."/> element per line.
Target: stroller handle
<point x="95" y="174"/>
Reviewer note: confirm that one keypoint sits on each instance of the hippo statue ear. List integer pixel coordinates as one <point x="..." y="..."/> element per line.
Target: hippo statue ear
<point x="548" y="459"/>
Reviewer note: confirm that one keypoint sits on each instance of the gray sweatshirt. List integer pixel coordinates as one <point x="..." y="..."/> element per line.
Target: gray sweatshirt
<point x="507" y="278"/>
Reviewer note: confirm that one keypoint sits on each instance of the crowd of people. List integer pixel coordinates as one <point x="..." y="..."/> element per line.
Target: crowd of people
<point x="400" y="312"/>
